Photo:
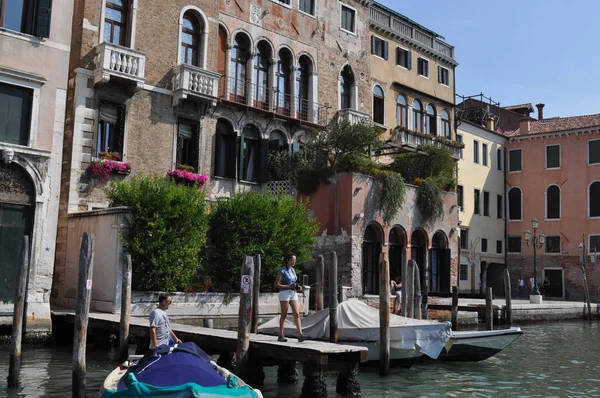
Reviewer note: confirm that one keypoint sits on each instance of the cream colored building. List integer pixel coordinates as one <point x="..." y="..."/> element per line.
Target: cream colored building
<point x="481" y="200"/>
<point x="34" y="55"/>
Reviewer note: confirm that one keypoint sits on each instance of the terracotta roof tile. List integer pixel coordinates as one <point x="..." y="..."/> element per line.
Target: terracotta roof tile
<point x="556" y="124"/>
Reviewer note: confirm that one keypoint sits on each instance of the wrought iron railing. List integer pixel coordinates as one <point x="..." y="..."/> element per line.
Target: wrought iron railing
<point x="413" y="139"/>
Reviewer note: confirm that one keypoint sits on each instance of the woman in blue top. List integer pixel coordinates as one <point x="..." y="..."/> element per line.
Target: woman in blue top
<point x="287" y="283"/>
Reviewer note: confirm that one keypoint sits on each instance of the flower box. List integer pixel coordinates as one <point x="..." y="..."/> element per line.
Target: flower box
<point x="187" y="177"/>
<point x="105" y="168"/>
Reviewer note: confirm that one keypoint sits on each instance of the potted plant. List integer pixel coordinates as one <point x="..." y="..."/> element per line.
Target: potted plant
<point x="105" y="168"/>
<point x="184" y="174"/>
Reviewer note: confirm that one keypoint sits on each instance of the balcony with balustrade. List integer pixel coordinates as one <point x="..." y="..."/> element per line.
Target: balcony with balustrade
<point x="272" y="103"/>
<point x="396" y="25"/>
<point x="353" y="116"/>
<point x="123" y="64"/>
<point x="404" y="140"/>
<point x="195" y="83"/>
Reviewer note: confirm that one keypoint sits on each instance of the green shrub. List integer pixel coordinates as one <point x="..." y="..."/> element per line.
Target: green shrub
<point x="391" y="195"/>
<point x="438" y="165"/>
<point x="284" y="165"/>
<point x="430" y="200"/>
<point x="166" y="234"/>
<point x="251" y="223"/>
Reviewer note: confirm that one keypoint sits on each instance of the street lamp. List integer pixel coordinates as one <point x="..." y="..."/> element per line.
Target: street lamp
<point x="537" y="242"/>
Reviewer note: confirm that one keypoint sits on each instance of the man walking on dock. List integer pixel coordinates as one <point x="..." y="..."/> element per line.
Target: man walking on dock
<point x="160" y="328"/>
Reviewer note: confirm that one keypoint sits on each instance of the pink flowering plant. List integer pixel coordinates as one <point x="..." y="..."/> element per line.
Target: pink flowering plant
<point x="187" y="177"/>
<point x="105" y="168"/>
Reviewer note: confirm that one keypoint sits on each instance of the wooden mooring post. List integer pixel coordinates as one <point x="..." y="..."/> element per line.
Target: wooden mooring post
<point x="403" y="294"/>
<point x="417" y="292"/>
<point x="125" y="310"/>
<point x="14" y="364"/>
<point x="244" y="318"/>
<point x="384" y="315"/>
<point x="508" y="296"/>
<point x="320" y="283"/>
<point x="454" y="307"/>
<point x="82" y="312"/>
<point x="333" y="301"/>
<point x="409" y="286"/>
<point x="489" y="320"/>
<point x="256" y="294"/>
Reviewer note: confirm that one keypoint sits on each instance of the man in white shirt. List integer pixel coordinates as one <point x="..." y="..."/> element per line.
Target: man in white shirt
<point x="160" y="328"/>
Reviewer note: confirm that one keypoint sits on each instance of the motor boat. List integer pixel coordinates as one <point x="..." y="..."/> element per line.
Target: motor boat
<point x="478" y="345"/>
<point x="179" y="370"/>
<point x="358" y="324"/>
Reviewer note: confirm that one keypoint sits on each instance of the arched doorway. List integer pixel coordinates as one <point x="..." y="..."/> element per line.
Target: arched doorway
<point x="418" y="246"/>
<point x="371" y="252"/>
<point x="17" y="199"/>
<point x="397" y="251"/>
<point x="439" y="278"/>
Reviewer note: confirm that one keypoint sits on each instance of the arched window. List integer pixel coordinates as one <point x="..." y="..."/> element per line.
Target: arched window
<point x="446" y="124"/>
<point x="261" y="75"/>
<point x="225" y="150"/>
<point x="431" y="120"/>
<point x="401" y="111"/>
<point x="378" y="105"/>
<point x="277" y="142"/>
<point x="250" y="156"/>
<point x="514" y="204"/>
<point x="417" y="116"/>
<point x="346" y="83"/>
<point x="594" y="199"/>
<point x="190" y="39"/>
<point x="240" y="54"/>
<point x="283" y="78"/>
<point x="115" y="21"/>
<point x="553" y="202"/>
<point x="303" y="88"/>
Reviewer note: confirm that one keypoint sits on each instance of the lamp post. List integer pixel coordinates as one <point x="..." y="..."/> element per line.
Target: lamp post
<point x="537" y="242"/>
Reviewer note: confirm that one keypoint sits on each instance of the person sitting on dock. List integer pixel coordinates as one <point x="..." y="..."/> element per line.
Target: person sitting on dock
<point x="287" y="283"/>
<point x="397" y="292"/>
<point x="160" y="328"/>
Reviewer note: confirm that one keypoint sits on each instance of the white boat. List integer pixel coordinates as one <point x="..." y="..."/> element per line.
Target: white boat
<point x="177" y="371"/>
<point x="478" y="345"/>
<point x="358" y="324"/>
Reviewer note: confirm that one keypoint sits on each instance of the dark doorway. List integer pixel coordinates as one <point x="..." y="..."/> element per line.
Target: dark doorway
<point x="495" y="279"/>
<point x="439" y="277"/>
<point x="371" y="252"/>
<point x="556" y="283"/>
<point x="397" y="251"/>
<point x="418" y="244"/>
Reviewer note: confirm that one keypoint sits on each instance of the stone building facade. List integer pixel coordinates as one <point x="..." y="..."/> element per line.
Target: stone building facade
<point x="34" y="48"/>
<point x="558" y="182"/>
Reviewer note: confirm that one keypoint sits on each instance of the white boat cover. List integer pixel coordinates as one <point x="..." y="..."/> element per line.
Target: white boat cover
<point x="358" y="322"/>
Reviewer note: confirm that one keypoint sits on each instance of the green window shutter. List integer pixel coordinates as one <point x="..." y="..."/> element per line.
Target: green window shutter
<point x="385" y="50"/>
<point x="373" y="39"/>
<point x="218" y="143"/>
<point x="439" y="74"/>
<point x="241" y="157"/>
<point x="15" y="112"/>
<point x="409" y="60"/>
<point x="42" y="18"/>
<point x="263" y="175"/>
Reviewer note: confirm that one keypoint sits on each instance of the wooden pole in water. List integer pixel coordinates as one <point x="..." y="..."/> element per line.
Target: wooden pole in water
<point x="320" y="283"/>
<point x="244" y="318"/>
<point x="489" y="324"/>
<point x="508" y="295"/>
<point x="454" y="307"/>
<point x="125" y="310"/>
<point x="384" y="315"/>
<point x="404" y="286"/>
<point x="408" y="284"/>
<point x="82" y="312"/>
<point x="255" y="294"/>
<point x="417" y="291"/>
<point x="14" y="364"/>
<point x="333" y="301"/>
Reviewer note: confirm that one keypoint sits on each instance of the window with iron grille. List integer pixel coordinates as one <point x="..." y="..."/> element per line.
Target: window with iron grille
<point x="464" y="272"/>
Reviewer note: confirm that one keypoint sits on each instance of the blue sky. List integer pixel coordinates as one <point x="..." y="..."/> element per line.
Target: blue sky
<point x="526" y="51"/>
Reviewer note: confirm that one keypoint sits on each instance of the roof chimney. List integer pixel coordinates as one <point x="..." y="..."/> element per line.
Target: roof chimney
<point x="524" y="125"/>
<point x="540" y="111"/>
<point x="490" y="123"/>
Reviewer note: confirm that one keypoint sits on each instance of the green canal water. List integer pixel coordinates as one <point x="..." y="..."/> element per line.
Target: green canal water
<point x="549" y="360"/>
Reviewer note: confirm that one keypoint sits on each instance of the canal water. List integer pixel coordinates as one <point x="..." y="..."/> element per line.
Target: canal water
<point x="549" y="360"/>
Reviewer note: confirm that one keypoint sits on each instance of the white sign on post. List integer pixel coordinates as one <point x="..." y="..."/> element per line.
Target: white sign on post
<point x="245" y="283"/>
<point x="88" y="284"/>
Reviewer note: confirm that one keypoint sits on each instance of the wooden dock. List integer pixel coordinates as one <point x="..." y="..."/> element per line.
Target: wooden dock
<point x="316" y="357"/>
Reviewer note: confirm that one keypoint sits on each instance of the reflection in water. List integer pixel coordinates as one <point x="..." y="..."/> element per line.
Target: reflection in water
<point x="551" y="360"/>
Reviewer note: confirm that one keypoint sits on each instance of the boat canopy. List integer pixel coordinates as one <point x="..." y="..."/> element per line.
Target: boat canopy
<point x="359" y="322"/>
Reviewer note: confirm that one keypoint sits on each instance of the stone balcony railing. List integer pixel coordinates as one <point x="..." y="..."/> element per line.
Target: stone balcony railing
<point x="413" y="139"/>
<point x="196" y="83"/>
<point x="126" y="64"/>
<point x="353" y="116"/>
